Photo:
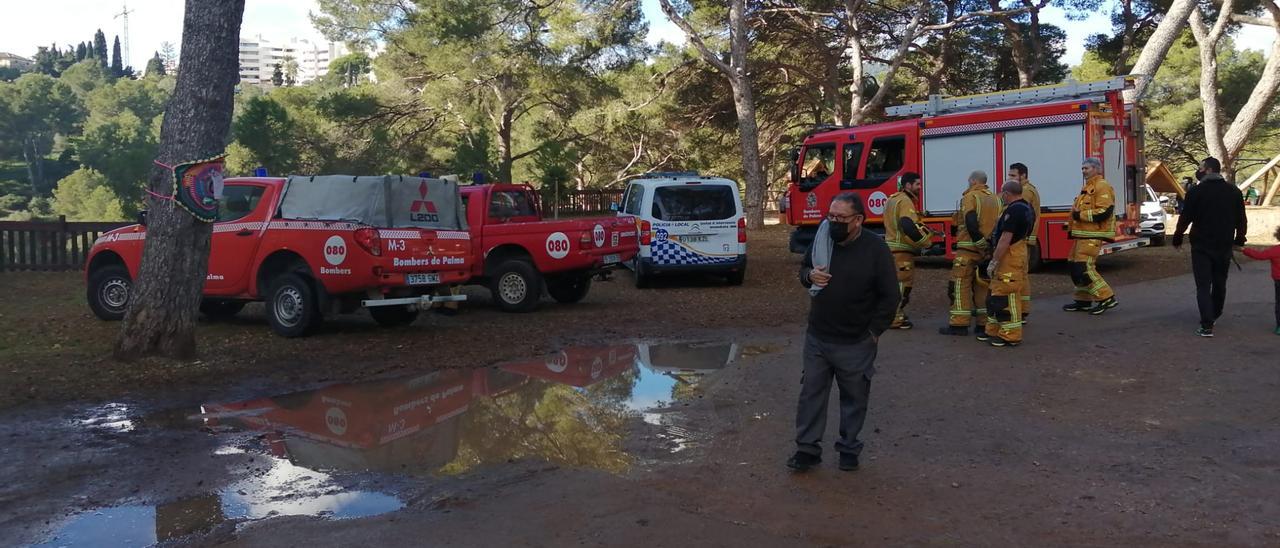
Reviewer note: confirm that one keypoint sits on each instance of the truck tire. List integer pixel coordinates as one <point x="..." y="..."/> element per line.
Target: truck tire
<point x="108" y="292"/>
<point x="1035" y="261"/>
<point x="1157" y="240"/>
<point x="516" y="286"/>
<point x="292" y="307"/>
<point x="392" y="316"/>
<point x="642" y="276"/>
<point x="736" y="277"/>
<point x="216" y="309"/>
<point x="569" y="288"/>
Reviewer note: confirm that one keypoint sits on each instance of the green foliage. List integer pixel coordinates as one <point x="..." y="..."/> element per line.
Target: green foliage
<point x="33" y="110"/>
<point x="117" y="64"/>
<point x="266" y="132"/>
<point x="277" y="76"/>
<point x="85" y="196"/>
<point x="348" y="70"/>
<point x="100" y="48"/>
<point x="155" y="67"/>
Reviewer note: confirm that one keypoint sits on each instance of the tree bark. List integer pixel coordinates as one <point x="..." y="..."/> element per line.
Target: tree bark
<point x="739" y="77"/>
<point x="166" y="295"/>
<point x="1256" y="109"/>
<point x="1158" y="46"/>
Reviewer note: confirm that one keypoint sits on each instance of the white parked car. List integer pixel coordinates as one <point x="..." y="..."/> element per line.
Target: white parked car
<point x="687" y="223"/>
<point x="1154" y="218"/>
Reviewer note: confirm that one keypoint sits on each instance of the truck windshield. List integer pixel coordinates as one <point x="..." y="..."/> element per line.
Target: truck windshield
<point x="694" y="203"/>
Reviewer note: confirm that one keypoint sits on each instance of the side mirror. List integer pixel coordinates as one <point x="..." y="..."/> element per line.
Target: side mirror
<point x="142" y="217"/>
<point x="794" y="171"/>
<point x="613" y="206"/>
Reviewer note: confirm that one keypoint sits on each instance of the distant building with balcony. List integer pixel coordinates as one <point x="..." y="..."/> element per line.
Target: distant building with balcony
<point x="259" y="56"/>
<point x="9" y="60"/>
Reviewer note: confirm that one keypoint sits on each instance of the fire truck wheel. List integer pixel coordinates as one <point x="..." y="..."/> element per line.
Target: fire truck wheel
<point x="391" y="316"/>
<point x="220" y="310"/>
<point x="109" y="289"/>
<point x="292" y="309"/>
<point x="569" y="288"/>
<point x="516" y="286"/>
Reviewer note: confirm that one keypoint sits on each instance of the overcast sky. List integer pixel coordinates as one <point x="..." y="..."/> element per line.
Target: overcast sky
<point x="33" y="23"/>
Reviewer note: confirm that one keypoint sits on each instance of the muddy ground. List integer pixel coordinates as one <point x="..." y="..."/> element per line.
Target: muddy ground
<point x="1097" y="431"/>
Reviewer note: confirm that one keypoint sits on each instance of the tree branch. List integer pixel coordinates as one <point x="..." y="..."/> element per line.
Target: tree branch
<point x="693" y="36"/>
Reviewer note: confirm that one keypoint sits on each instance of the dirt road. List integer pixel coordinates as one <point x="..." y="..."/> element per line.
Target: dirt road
<point x="661" y="417"/>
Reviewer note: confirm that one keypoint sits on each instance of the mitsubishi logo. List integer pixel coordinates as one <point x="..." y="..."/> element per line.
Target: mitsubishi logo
<point x="423" y="204"/>
<point x="423" y="210"/>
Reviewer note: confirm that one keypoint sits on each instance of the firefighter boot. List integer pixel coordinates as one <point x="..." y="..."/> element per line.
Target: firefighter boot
<point x="904" y="263"/>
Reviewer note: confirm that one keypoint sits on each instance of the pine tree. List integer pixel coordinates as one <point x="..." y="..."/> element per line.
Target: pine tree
<point x="100" y="48"/>
<point x="155" y="67"/>
<point x="81" y="52"/>
<point x="117" y="64"/>
<point x="277" y="76"/>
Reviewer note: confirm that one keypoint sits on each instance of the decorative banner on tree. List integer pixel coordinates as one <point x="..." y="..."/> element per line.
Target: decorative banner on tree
<point x="198" y="186"/>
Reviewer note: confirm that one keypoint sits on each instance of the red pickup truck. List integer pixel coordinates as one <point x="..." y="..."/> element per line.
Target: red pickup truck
<point x="516" y="253"/>
<point x="308" y="246"/>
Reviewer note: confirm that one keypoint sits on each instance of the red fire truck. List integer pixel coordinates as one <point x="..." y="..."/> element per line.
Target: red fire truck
<point x="1050" y="129"/>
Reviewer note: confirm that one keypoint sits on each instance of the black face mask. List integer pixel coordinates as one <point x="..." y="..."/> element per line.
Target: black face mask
<point x="839" y="231"/>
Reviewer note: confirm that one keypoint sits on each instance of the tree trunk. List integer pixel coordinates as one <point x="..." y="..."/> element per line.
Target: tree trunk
<point x="35" y="165"/>
<point x="197" y="120"/>
<point x="745" y="103"/>
<point x="1158" y="46"/>
<point x="505" y="162"/>
<point x="1264" y="93"/>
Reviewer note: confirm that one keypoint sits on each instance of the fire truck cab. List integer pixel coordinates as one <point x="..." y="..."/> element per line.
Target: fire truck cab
<point x="1050" y="129"/>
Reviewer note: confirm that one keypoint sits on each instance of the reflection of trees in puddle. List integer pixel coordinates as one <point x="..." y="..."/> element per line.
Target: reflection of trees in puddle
<point x="556" y="423"/>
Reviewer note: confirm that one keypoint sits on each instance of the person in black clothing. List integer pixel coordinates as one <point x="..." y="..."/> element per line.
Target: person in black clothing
<point x="855" y="301"/>
<point x="1216" y="209"/>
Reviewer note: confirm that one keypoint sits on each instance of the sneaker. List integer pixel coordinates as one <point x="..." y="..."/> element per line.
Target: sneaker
<point x="904" y="324"/>
<point x="848" y="462"/>
<point x="954" y="330"/>
<point x="983" y="336"/>
<point x="802" y="462"/>
<point x="1208" y="331"/>
<point x="1103" y="306"/>
<point x="1078" y="306"/>
<point x="998" y="342"/>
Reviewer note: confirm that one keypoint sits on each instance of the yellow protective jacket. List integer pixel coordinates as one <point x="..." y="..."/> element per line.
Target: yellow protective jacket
<point x="978" y="212"/>
<point x="903" y="230"/>
<point x="1032" y="196"/>
<point x="1093" y="215"/>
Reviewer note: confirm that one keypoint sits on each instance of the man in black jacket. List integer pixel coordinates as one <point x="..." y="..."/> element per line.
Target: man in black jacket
<point x="855" y="300"/>
<point x="1216" y="209"/>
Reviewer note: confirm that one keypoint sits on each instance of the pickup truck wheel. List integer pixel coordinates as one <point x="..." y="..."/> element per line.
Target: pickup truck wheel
<point x="292" y="309"/>
<point x="391" y="316"/>
<point x="516" y="286"/>
<point x="108" y="292"/>
<point x="736" y="277"/>
<point x="220" y="310"/>
<point x="570" y="288"/>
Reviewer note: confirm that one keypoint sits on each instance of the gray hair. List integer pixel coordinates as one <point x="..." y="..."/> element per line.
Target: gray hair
<point x="979" y="176"/>
<point x="1096" y="163"/>
<point x="1011" y="187"/>
<point x="854" y="201"/>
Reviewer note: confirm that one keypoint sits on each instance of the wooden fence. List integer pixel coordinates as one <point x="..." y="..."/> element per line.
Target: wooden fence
<point x="48" y="245"/>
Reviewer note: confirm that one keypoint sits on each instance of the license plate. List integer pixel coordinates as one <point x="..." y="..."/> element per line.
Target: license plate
<point x="693" y="239"/>
<point x="422" y="279"/>
<point x="612" y="259"/>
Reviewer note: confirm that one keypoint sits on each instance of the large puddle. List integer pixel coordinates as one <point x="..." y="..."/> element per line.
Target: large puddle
<point x="571" y="408"/>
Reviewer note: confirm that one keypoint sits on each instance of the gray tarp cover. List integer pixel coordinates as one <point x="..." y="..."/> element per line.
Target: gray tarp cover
<point x="389" y="201"/>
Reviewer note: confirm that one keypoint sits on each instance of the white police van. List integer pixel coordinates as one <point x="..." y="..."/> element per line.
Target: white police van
<point x="687" y="223"/>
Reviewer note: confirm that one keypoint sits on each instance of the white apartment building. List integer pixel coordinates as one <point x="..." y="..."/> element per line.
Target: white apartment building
<point x="258" y="58"/>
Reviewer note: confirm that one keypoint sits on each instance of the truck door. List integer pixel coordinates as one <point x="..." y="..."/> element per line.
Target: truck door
<point x="235" y="238"/>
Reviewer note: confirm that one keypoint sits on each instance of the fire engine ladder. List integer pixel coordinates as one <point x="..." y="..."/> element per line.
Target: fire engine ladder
<point x="1070" y="89"/>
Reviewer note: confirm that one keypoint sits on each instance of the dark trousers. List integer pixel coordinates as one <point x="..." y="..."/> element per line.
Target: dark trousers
<point x="851" y="365"/>
<point x="1277" y="303"/>
<point x="1210" y="266"/>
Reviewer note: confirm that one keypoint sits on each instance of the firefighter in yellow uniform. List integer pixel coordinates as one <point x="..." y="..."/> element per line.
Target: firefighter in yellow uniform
<point x="1008" y="269"/>
<point x="1018" y="172"/>
<point x="973" y="222"/>
<point x="906" y="237"/>
<point x="1093" y="222"/>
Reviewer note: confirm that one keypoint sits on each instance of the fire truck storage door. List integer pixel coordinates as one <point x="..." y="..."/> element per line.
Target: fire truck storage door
<point x="1052" y="156"/>
<point x="947" y="163"/>
<point x="1113" y="169"/>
